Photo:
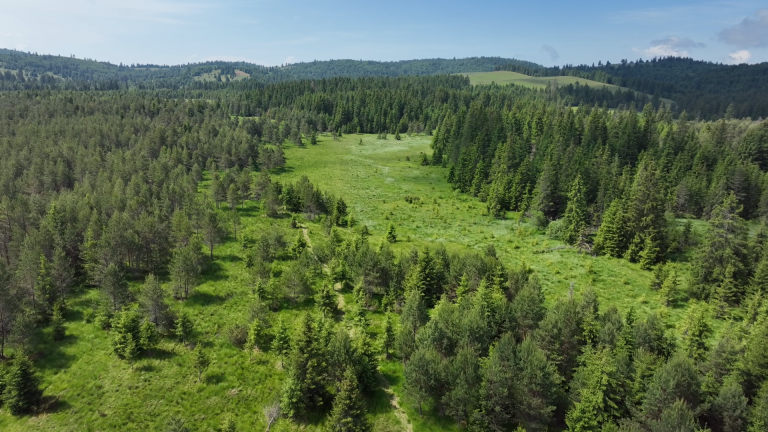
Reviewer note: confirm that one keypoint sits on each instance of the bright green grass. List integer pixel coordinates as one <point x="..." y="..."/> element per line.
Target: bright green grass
<point x="373" y="178"/>
<point x="507" y="77"/>
<point x="98" y="392"/>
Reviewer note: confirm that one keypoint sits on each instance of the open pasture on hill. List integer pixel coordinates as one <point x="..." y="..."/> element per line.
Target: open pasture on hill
<point x="507" y="77"/>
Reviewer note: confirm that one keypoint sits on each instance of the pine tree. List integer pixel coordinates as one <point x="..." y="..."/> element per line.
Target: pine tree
<point x="348" y="413"/>
<point x="391" y="235"/>
<point x="114" y="287"/>
<point x="499" y="387"/>
<point x="184" y="327"/>
<point x="325" y="300"/>
<point x="548" y="199"/>
<point x="58" y="331"/>
<point x="22" y="387"/>
<point x="186" y="269"/>
<point x="388" y="335"/>
<point x="758" y="418"/>
<point x="730" y="407"/>
<point x="148" y="335"/>
<point x="537" y="381"/>
<point x="697" y="331"/>
<point x="255" y="337"/>
<point x="725" y="246"/>
<point x="130" y="350"/>
<point x="413" y="316"/>
<point x="201" y="360"/>
<point x="576" y="218"/>
<point x="153" y="304"/>
<point x="611" y="238"/>
<point x="421" y="374"/>
<point x="281" y="342"/>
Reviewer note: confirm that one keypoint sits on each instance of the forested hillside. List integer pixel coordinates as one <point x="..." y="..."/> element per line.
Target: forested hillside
<point x="183" y="258"/>
<point x="703" y="88"/>
<point x="24" y="71"/>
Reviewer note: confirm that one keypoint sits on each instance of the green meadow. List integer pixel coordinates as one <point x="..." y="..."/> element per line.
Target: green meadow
<point x="507" y="77"/>
<point x="87" y="388"/>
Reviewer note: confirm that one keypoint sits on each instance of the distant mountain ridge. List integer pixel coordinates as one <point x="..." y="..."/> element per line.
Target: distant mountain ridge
<point x="34" y="66"/>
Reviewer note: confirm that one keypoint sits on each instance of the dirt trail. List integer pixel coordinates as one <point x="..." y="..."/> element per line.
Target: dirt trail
<point x="306" y="237"/>
<point x="396" y="408"/>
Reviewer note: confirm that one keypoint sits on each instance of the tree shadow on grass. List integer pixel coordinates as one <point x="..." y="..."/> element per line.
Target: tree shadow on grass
<point x="48" y="354"/>
<point x="214" y="272"/>
<point x="214" y="378"/>
<point x="203" y="298"/>
<point x="230" y="258"/>
<point x="52" y="404"/>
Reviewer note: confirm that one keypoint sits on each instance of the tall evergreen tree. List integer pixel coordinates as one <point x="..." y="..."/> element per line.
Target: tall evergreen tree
<point x="348" y="412"/>
<point x="576" y="218"/>
<point x="22" y="387"/>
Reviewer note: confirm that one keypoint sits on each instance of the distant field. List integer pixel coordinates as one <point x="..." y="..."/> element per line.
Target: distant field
<point x="216" y="76"/>
<point x="505" y="77"/>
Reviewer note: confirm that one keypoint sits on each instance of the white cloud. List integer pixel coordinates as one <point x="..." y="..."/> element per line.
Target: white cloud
<point x="750" y="33"/>
<point x="739" y="57"/>
<point x="289" y="60"/>
<point x="677" y="42"/>
<point x="663" y="51"/>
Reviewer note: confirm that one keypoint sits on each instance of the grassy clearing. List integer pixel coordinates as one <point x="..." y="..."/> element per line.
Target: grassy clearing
<point x="89" y="389"/>
<point x="216" y="76"/>
<point x="508" y="77"/>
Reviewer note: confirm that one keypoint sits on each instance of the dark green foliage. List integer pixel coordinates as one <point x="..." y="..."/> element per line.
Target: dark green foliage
<point x="185" y="269"/>
<point x="306" y="367"/>
<point x="611" y="238"/>
<point x="184" y="327"/>
<point x="498" y="396"/>
<point x="201" y="360"/>
<point x="464" y="375"/>
<point x="758" y="417"/>
<point x="391" y="235"/>
<point x="720" y="269"/>
<point x="412" y="317"/>
<point x="423" y="376"/>
<point x="730" y="408"/>
<point x="58" y="330"/>
<point x="22" y="387"/>
<point x="676" y="380"/>
<point x="348" y="413"/>
<point x="153" y="303"/>
<point x="538" y="383"/>
<point x="576" y="218"/>
<point x="114" y="287"/>
<point x="126" y="330"/>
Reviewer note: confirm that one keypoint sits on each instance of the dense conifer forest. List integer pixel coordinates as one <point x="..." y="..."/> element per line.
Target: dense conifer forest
<point x="119" y="202"/>
<point x="703" y="89"/>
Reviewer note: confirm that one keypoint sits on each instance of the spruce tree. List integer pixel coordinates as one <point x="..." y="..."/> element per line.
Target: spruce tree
<point x="58" y="331"/>
<point x="611" y="238"/>
<point x="22" y="387"/>
<point x="114" y="287"/>
<point x="723" y="256"/>
<point x="391" y="235"/>
<point x="184" y="327"/>
<point x="547" y="195"/>
<point x="730" y="408"/>
<point x="421" y="374"/>
<point x="576" y="217"/>
<point x="201" y="360"/>
<point x="148" y="335"/>
<point x="348" y="413"/>
<point x="281" y="342"/>
<point x="412" y="317"/>
<point x="758" y="416"/>
<point x="499" y="391"/>
<point x="130" y="349"/>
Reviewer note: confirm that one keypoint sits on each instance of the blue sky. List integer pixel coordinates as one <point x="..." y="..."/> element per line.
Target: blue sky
<point x="275" y="32"/>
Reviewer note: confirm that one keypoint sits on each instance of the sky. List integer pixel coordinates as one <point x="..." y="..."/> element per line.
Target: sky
<point x="272" y="32"/>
